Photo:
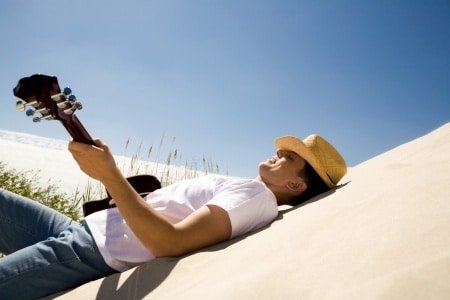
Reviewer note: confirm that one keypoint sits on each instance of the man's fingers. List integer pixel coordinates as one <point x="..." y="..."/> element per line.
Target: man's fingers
<point x="81" y="147"/>
<point x="99" y="143"/>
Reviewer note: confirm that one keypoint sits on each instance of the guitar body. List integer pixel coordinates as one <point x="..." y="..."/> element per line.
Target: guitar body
<point x="42" y="95"/>
<point x="143" y="184"/>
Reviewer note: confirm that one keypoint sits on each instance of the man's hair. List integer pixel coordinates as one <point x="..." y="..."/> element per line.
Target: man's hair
<point x="315" y="185"/>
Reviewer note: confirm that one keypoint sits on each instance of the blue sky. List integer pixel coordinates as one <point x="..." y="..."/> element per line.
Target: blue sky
<point x="225" y="78"/>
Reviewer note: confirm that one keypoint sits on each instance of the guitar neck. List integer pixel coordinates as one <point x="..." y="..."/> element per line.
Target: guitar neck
<point x="77" y="130"/>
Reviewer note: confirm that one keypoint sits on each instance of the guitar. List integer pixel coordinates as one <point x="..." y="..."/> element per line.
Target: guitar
<point x="45" y="101"/>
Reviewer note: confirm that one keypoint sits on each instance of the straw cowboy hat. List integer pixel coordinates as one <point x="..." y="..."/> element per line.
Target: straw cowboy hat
<point x="319" y="153"/>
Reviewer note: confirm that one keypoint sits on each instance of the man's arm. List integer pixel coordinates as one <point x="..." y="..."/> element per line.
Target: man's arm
<point x="207" y="226"/>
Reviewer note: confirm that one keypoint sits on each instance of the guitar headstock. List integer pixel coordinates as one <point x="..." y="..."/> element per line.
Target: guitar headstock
<point x="43" y="96"/>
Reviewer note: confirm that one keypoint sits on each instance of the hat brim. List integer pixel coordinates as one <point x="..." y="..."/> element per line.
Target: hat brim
<point x="296" y="145"/>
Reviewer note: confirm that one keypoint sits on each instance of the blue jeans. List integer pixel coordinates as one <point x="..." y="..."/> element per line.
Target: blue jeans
<point x="46" y="251"/>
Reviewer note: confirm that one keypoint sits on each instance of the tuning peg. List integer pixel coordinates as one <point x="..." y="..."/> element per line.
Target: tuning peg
<point x="20" y="106"/>
<point x="30" y="112"/>
<point x="78" y="105"/>
<point x="67" y="91"/>
<point x="46" y="116"/>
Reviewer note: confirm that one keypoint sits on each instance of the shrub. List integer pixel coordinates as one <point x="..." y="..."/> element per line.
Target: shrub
<point x="25" y="183"/>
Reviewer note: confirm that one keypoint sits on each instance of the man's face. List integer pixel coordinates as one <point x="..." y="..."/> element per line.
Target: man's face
<point x="281" y="168"/>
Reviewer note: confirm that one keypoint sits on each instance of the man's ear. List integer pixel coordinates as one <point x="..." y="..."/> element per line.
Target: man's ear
<point x="297" y="185"/>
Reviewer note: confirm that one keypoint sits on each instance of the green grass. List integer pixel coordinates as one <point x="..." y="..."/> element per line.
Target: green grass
<point x="25" y="183"/>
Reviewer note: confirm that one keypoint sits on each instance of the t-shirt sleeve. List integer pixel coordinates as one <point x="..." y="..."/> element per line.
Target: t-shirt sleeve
<point x="248" y="211"/>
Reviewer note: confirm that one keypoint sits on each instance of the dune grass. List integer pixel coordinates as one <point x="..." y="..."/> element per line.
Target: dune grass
<point x="170" y="169"/>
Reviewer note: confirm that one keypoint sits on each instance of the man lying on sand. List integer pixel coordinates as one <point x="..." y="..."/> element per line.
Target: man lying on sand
<point x="48" y="252"/>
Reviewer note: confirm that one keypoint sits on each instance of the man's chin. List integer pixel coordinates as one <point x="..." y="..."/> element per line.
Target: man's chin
<point x="261" y="167"/>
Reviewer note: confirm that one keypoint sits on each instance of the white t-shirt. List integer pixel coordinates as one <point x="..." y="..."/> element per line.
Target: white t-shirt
<point x="249" y="204"/>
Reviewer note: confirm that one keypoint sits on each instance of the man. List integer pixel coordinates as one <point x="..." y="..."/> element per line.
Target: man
<point x="48" y="252"/>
